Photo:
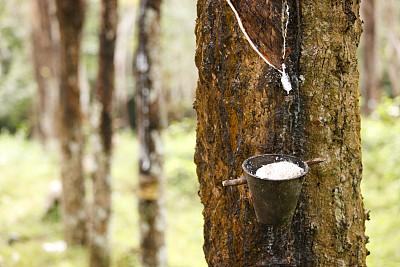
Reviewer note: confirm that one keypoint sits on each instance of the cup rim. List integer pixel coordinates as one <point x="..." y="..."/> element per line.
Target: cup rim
<point x="290" y="158"/>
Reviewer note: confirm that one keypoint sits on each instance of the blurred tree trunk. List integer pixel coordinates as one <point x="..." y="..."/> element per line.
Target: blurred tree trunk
<point x="391" y="16"/>
<point x="101" y="210"/>
<point x="85" y="91"/>
<point x="70" y="14"/>
<point x="243" y="111"/>
<point x="123" y="64"/>
<point x="394" y="67"/>
<point x="149" y="126"/>
<point x="45" y="55"/>
<point x="370" y="89"/>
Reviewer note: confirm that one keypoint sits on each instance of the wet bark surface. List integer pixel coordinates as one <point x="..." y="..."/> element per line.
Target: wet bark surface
<point x="242" y="111"/>
<point x="101" y="210"/>
<point x="149" y="125"/>
<point x="263" y="27"/>
<point x="70" y="14"/>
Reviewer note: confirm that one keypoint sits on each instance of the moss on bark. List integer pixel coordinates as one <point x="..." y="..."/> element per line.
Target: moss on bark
<point x="242" y="110"/>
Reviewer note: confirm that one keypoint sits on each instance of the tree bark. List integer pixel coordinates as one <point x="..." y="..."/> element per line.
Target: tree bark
<point x="393" y="42"/>
<point x="370" y="88"/>
<point x="45" y="55"/>
<point x="101" y="210"/>
<point x="242" y="111"/>
<point x="149" y="126"/>
<point x="123" y="64"/>
<point x="70" y="14"/>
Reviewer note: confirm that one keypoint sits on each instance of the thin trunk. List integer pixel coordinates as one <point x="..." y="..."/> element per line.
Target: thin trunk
<point x="370" y="88"/>
<point x="101" y="211"/>
<point x="149" y="126"/>
<point x="123" y="65"/>
<point x="394" y="70"/>
<point x="391" y="17"/>
<point x="70" y="14"/>
<point x="45" y="54"/>
<point x="243" y="110"/>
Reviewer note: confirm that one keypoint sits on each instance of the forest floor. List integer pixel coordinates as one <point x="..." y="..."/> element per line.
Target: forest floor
<point x="381" y="183"/>
<point x="27" y="239"/>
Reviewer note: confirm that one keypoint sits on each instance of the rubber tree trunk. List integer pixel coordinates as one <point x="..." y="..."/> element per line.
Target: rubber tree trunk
<point x="70" y="14"/>
<point x="149" y="126"/>
<point x="45" y="55"/>
<point x="370" y="89"/>
<point x="101" y="210"/>
<point x="243" y="110"/>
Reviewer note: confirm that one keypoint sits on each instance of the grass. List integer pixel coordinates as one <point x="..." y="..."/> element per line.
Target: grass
<point x="26" y="170"/>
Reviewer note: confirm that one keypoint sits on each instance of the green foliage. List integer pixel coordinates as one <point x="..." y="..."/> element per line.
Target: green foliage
<point x="17" y="84"/>
<point x="181" y="170"/>
<point x="184" y="219"/>
<point x="26" y="171"/>
<point x="16" y="78"/>
<point x="381" y="182"/>
<point x="178" y="46"/>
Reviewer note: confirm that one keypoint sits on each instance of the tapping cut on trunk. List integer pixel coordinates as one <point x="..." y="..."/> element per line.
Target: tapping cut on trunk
<point x="264" y="25"/>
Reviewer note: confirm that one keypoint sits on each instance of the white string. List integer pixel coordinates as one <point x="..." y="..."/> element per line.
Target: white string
<point x="285" y="80"/>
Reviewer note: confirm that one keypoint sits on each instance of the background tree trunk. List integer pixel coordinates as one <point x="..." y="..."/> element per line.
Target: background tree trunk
<point x="70" y="14"/>
<point x="391" y="15"/>
<point x="99" y="234"/>
<point x="242" y="111"/>
<point x="149" y="126"/>
<point x="45" y="55"/>
<point x="370" y="89"/>
<point x="123" y="63"/>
